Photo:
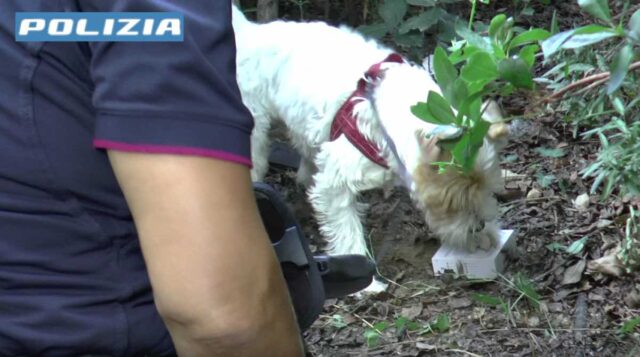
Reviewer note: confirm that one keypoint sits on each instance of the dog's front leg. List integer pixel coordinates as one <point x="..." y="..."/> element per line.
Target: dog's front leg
<point x="336" y="209"/>
<point x="333" y="197"/>
<point x="260" y="147"/>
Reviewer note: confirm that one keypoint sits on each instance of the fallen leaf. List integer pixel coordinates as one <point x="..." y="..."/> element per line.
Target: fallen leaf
<point x="509" y="175"/>
<point x="555" y="307"/>
<point x="581" y="202"/>
<point x="533" y="321"/>
<point x="573" y="274"/>
<point x="411" y="312"/>
<point x="423" y="346"/>
<point x="604" y="223"/>
<point x="633" y="299"/>
<point x="457" y="303"/>
<point x="608" y="264"/>
<point x="534" y="194"/>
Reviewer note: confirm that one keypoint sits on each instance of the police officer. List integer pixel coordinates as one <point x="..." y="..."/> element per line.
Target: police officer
<point x="111" y="152"/>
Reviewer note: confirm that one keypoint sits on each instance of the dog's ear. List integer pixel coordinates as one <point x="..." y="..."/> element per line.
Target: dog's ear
<point x="428" y="146"/>
<point x="499" y="130"/>
<point x="492" y="112"/>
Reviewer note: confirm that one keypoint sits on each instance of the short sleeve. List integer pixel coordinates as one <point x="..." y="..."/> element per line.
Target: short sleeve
<point x="171" y="97"/>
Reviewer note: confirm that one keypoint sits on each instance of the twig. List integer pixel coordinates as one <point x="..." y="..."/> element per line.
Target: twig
<point x="463" y="352"/>
<point x="527" y="329"/>
<point x="581" y="318"/>
<point x="598" y="78"/>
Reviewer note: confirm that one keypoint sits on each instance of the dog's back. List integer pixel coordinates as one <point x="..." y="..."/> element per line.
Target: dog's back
<point x="311" y="65"/>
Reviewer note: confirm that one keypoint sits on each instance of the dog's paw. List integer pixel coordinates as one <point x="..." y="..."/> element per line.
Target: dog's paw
<point x="487" y="240"/>
<point x="375" y="287"/>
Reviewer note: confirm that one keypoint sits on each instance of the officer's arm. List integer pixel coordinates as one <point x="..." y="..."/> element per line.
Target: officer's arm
<point x="215" y="278"/>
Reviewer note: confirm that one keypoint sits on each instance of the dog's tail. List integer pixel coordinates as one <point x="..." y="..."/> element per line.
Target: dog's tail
<point x="239" y="20"/>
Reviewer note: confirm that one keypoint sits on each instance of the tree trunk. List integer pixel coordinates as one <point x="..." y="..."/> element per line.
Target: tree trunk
<point x="267" y="10"/>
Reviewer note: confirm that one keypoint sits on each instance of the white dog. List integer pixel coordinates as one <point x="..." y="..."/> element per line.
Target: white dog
<point x="356" y="133"/>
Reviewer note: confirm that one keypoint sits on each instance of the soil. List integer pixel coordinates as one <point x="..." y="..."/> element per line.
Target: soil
<point x="579" y="311"/>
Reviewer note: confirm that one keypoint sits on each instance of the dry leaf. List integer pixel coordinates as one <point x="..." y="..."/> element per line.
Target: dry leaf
<point x="423" y="346"/>
<point x="534" y="194"/>
<point x="457" y="303"/>
<point x="581" y="202"/>
<point x="573" y="274"/>
<point x="608" y="264"/>
<point x="411" y="312"/>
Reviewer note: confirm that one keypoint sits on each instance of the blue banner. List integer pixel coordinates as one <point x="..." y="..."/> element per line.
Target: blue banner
<point x="99" y="26"/>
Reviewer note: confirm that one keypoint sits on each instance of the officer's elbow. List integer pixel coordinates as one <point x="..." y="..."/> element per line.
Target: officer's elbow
<point x="225" y="329"/>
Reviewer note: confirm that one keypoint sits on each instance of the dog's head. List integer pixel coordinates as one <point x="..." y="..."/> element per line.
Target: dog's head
<point x="461" y="209"/>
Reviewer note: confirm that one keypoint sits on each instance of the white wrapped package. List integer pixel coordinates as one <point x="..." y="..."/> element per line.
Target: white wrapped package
<point x="477" y="265"/>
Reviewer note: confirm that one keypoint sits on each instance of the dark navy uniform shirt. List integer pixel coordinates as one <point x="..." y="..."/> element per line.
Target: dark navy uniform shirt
<point x="72" y="277"/>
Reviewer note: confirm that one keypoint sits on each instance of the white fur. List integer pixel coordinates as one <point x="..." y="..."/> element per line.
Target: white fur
<point x="302" y="73"/>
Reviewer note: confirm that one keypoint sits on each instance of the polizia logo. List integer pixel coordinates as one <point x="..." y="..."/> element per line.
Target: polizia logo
<point x="99" y="26"/>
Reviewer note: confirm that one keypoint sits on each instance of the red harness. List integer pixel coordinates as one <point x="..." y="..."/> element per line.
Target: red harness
<point x="345" y="121"/>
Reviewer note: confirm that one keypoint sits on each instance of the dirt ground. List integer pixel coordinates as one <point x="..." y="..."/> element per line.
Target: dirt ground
<point x="579" y="311"/>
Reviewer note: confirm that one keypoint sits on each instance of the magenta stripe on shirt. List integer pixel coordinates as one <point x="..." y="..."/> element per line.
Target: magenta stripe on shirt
<point x="168" y="149"/>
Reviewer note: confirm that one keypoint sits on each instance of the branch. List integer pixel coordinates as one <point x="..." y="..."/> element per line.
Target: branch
<point x="595" y="79"/>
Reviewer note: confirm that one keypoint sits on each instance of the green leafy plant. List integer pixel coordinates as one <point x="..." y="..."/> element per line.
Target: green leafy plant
<point x="629" y="326"/>
<point x="492" y="301"/>
<point x="609" y="100"/>
<point x="630" y="249"/>
<point x="496" y="64"/>
<point x="405" y="21"/>
<point x="403" y="325"/>
<point x="373" y="333"/>
<point x="440" y="324"/>
<point x="574" y="248"/>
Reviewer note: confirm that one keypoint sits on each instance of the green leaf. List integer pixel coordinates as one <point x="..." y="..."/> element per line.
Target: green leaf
<point x="463" y="55"/>
<point x="582" y="40"/>
<point x="338" y="321"/>
<point x="582" y="36"/>
<point x="554" y="29"/>
<point x="549" y="152"/>
<point x="525" y="286"/>
<point x="545" y="180"/>
<point x="374" y="30"/>
<point x="440" y="108"/>
<point x="554" y="43"/>
<point x="619" y="68"/>
<point x="577" y="247"/>
<point x="516" y="71"/>
<point x="412" y="39"/>
<point x="487" y="299"/>
<point x="480" y="67"/>
<point x="435" y="111"/>
<point x="630" y="326"/>
<point x="421" y="22"/>
<point x="618" y="105"/>
<point x="445" y="72"/>
<point x="634" y="26"/>
<point x="456" y="94"/>
<point x="421" y="110"/>
<point x="473" y="38"/>
<point x="441" y="324"/>
<point x="528" y="54"/>
<point x="496" y="24"/>
<point x="392" y="12"/>
<point x="424" y="3"/>
<point x="556" y="247"/>
<point x="372" y="335"/>
<point x="597" y="8"/>
<point x="466" y="151"/>
<point x="590" y="29"/>
<point x="533" y="35"/>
